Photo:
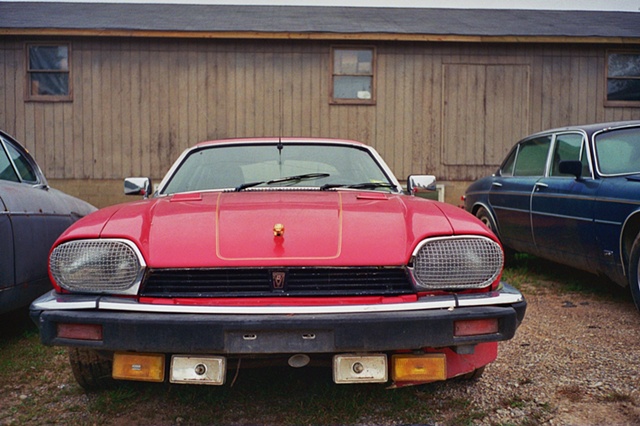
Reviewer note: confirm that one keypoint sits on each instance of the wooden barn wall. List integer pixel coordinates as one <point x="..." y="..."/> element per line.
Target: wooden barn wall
<point x="447" y="109"/>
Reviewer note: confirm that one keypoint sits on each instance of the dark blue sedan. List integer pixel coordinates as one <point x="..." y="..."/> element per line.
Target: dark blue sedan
<point x="570" y="195"/>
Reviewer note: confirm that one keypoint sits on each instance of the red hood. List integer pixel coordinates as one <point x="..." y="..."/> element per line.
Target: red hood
<point x="236" y="229"/>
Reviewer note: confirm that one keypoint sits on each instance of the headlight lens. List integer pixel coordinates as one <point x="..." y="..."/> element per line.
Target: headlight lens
<point x="468" y="262"/>
<point x="97" y="266"/>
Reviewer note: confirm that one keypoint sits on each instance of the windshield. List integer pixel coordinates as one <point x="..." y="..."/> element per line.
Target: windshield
<point x="240" y="167"/>
<point x="618" y="151"/>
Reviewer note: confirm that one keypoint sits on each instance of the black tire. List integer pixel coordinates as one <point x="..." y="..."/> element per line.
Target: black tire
<point x="486" y="218"/>
<point x="634" y="272"/>
<point x="474" y="375"/>
<point x="92" y="371"/>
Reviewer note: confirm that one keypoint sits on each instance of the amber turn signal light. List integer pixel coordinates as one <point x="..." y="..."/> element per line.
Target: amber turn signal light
<point x="418" y="368"/>
<point x="135" y="366"/>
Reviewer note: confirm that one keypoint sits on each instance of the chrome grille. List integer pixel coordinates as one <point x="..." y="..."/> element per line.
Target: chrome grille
<point x="457" y="263"/>
<point x="258" y="282"/>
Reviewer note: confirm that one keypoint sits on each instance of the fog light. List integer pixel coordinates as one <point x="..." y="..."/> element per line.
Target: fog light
<point x="418" y="368"/>
<point x="475" y="327"/>
<point x="134" y="366"/>
<point x="357" y="368"/>
<point x="199" y="370"/>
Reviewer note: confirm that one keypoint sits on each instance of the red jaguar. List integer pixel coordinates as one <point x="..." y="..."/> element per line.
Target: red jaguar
<point x="282" y="250"/>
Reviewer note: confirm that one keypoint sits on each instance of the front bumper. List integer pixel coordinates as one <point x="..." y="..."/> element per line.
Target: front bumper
<point x="131" y="326"/>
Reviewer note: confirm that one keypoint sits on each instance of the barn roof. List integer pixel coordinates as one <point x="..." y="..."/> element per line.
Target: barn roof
<point x="320" y="22"/>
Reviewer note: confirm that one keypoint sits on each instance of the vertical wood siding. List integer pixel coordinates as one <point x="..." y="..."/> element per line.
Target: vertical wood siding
<point x="452" y="110"/>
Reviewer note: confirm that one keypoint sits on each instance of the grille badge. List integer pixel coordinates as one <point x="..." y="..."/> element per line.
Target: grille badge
<point x="277" y="280"/>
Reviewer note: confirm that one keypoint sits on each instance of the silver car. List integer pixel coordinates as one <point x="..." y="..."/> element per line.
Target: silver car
<point x="32" y="216"/>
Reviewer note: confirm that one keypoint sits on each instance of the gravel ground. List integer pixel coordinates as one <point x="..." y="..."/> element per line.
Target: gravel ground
<point x="575" y="360"/>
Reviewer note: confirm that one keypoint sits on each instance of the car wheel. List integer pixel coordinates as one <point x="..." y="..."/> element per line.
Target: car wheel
<point x="634" y="272"/>
<point x="91" y="370"/>
<point x="486" y="218"/>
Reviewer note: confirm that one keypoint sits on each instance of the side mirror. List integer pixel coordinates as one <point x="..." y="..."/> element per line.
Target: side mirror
<point x="416" y="183"/>
<point x="572" y="167"/>
<point x="138" y="186"/>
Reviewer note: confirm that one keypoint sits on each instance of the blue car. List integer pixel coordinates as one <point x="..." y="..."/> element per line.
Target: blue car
<point x="570" y="195"/>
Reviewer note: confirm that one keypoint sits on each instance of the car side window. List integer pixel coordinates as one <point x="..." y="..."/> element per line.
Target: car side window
<point x="618" y="151"/>
<point x="7" y="172"/>
<point x="532" y="157"/>
<point x="507" y="166"/>
<point x="22" y="165"/>
<point x="569" y="147"/>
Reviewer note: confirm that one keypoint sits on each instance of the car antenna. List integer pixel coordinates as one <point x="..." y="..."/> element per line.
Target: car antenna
<point x="280" y="124"/>
<point x="280" y="146"/>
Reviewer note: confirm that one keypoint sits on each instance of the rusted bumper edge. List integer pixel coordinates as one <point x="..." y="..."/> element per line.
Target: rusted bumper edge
<point x="130" y="326"/>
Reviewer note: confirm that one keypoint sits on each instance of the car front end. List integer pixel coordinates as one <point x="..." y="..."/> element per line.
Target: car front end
<point x="192" y="283"/>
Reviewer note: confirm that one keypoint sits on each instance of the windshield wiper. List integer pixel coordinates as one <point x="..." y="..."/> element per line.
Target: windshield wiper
<point x="364" y="185"/>
<point x="249" y="185"/>
<point x="296" y="178"/>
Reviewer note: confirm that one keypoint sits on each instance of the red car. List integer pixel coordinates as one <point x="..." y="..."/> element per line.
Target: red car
<point x="296" y="251"/>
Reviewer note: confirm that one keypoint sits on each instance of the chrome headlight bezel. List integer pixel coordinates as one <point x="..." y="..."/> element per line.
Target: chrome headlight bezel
<point x="90" y="266"/>
<point x="471" y="262"/>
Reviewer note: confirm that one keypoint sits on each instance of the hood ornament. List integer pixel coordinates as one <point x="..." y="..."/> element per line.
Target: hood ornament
<point x="278" y="230"/>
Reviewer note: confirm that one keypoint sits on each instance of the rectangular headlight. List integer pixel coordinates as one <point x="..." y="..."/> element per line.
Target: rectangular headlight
<point x="461" y="262"/>
<point x="97" y="266"/>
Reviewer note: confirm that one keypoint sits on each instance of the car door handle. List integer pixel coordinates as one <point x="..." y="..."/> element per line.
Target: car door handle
<point x="539" y="185"/>
<point x="497" y="184"/>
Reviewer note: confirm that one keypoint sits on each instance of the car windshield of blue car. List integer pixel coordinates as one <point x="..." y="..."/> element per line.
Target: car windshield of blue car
<point x="618" y="151"/>
<point x="272" y="166"/>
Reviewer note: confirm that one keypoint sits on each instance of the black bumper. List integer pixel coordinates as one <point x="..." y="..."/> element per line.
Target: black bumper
<point x="272" y="334"/>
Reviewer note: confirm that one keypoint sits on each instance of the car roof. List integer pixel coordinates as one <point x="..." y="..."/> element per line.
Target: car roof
<point x="588" y="128"/>
<point x="273" y="140"/>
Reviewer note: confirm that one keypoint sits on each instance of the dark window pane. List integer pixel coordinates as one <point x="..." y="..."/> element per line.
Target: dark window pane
<point x="49" y="58"/>
<point x="623" y="90"/>
<point x="49" y="83"/>
<point x="624" y="65"/>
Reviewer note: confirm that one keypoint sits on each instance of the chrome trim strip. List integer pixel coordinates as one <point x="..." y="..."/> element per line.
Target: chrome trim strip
<point x="54" y="301"/>
<point x="608" y="222"/>
<point x="546" y="214"/>
<point x="509" y="209"/>
<point x="507" y="295"/>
